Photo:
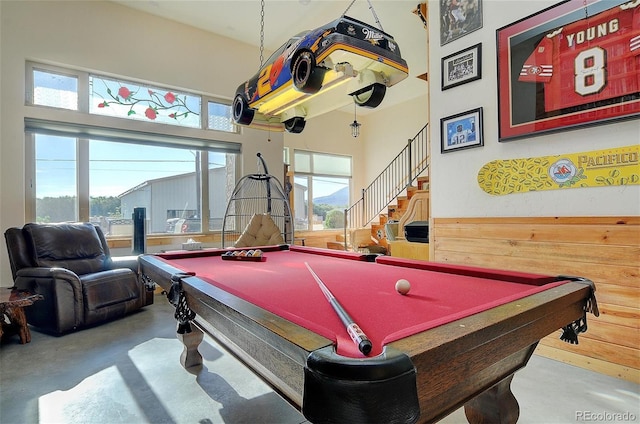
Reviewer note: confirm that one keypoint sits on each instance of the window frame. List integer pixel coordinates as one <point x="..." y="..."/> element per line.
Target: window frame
<point x="84" y="95"/>
<point x="84" y="127"/>
<point x="310" y="175"/>
<point x="83" y="188"/>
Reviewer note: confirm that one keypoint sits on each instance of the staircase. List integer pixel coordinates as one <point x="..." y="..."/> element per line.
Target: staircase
<point x="395" y="212"/>
<point x="395" y="183"/>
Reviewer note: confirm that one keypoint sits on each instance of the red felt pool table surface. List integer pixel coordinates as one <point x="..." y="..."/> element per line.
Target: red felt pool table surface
<point x="283" y="285"/>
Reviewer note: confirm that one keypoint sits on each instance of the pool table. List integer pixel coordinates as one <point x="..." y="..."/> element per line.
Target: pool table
<point x="456" y="338"/>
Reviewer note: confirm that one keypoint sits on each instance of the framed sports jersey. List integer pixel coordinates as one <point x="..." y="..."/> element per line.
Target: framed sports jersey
<point x="576" y="63"/>
<point x="461" y="131"/>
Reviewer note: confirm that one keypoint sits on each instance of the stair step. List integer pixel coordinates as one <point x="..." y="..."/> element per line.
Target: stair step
<point x="423" y="183"/>
<point x="395" y="213"/>
<point x="403" y="201"/>
<point x="411" y="190"/>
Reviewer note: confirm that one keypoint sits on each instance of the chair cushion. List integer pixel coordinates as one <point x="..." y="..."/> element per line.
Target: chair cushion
<point x="76" y="247"/>
<point x="261" y="231"/>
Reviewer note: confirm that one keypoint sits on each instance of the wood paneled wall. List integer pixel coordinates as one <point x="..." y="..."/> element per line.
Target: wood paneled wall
<point x="605" y="250"/>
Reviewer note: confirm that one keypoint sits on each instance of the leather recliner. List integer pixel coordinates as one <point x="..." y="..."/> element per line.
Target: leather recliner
<point x="71" y="267"/>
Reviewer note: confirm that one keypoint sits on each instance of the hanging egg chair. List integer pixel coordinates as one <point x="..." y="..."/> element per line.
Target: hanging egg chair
<point x="257" y="198"/>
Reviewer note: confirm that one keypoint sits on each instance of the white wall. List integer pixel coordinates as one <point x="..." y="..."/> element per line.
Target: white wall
<point x="388" y="131"/>
<point x="330" y="133"/>
<point x="454" y="190"/>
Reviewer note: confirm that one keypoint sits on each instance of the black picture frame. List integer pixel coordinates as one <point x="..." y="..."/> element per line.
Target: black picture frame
<point x="461" y="67"/>
<point x="458" y="18"/>
<point x="461" y="131"/>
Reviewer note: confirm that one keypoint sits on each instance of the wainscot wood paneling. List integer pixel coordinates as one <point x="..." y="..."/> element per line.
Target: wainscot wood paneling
<point x="605" y="250"/>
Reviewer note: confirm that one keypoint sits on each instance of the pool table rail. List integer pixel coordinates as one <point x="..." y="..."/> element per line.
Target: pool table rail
<point x="469" y="362"/>
<point x="458" y="361"/>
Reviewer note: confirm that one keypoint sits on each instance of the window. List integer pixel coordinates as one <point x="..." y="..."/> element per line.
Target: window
<point x="121" y="177"/>
<point x="56" y="185"/>
<point x="220" y="117"/>
<point x="81" y="172"/>
<point x="221" y="185"/>
<point x="55" y="90"/>
<point x="128" y="100"/>
<point x="63" y="89"/>
<point x="160" y="179"/>
<point x="322" y="184"/>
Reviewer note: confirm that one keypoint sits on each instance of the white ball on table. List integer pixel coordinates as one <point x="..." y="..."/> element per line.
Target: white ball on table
<point x="403" y="286"/>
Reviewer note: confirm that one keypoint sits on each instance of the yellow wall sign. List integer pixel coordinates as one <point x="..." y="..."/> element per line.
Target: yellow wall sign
<point x="598" y="168"/>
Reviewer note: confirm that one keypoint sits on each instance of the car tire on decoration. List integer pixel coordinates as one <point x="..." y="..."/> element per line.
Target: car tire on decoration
<point x="294" y="125"/>
<point x="307" y="77"/>
<point x="317" y="71"/>
<point x="242" y="114"/>
<point x="370" y="96"/>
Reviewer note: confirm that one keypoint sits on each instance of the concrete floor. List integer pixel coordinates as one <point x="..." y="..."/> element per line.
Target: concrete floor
<point x="128" y="371"/>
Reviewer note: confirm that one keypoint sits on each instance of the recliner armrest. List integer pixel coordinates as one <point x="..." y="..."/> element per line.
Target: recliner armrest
<point x="63" y="306"/>
<point x="39" y="279"/>
<point x="130" y="262"/>
<point x="46" y="272"/>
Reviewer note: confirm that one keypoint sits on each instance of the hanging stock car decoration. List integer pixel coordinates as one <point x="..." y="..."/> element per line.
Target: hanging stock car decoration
<point x="318" y="71"/>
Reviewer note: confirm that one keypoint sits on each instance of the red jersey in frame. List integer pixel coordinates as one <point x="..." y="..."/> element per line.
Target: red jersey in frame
<point x="590" y="60"/>
<point x="579" y="68"/>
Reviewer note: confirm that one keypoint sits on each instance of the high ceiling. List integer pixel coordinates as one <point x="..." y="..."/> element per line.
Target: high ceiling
<point x="240" y="20"/>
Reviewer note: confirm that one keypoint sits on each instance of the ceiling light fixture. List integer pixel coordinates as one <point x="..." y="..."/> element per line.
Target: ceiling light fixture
<point x="355" y="125"/>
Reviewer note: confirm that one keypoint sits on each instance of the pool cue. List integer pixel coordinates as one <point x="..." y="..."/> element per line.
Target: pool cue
<point x="357" y="335"/>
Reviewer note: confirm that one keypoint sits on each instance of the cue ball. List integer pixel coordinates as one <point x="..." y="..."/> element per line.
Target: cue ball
<point x="403" y="286"/>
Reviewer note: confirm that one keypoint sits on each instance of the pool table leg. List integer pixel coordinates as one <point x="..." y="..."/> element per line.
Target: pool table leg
<point x="190" y="356"/>
<point x="496" y="405"/>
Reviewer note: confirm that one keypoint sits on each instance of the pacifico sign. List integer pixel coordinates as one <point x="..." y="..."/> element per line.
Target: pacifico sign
<point x="609" y="167"/>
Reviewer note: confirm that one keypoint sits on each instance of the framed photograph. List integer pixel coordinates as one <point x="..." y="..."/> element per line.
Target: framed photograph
<point x="567" y="66"/>
<point x="458" y="18"/>
<point x="462" y="67"/>
<point x="461" y="131"/>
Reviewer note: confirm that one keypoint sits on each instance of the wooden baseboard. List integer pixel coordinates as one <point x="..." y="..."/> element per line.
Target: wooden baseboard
<point x="409" y="250"/>
<point x="591" y="364"/>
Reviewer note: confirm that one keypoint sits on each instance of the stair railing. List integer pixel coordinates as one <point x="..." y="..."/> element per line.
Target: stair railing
<point x="411" y="162"/>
